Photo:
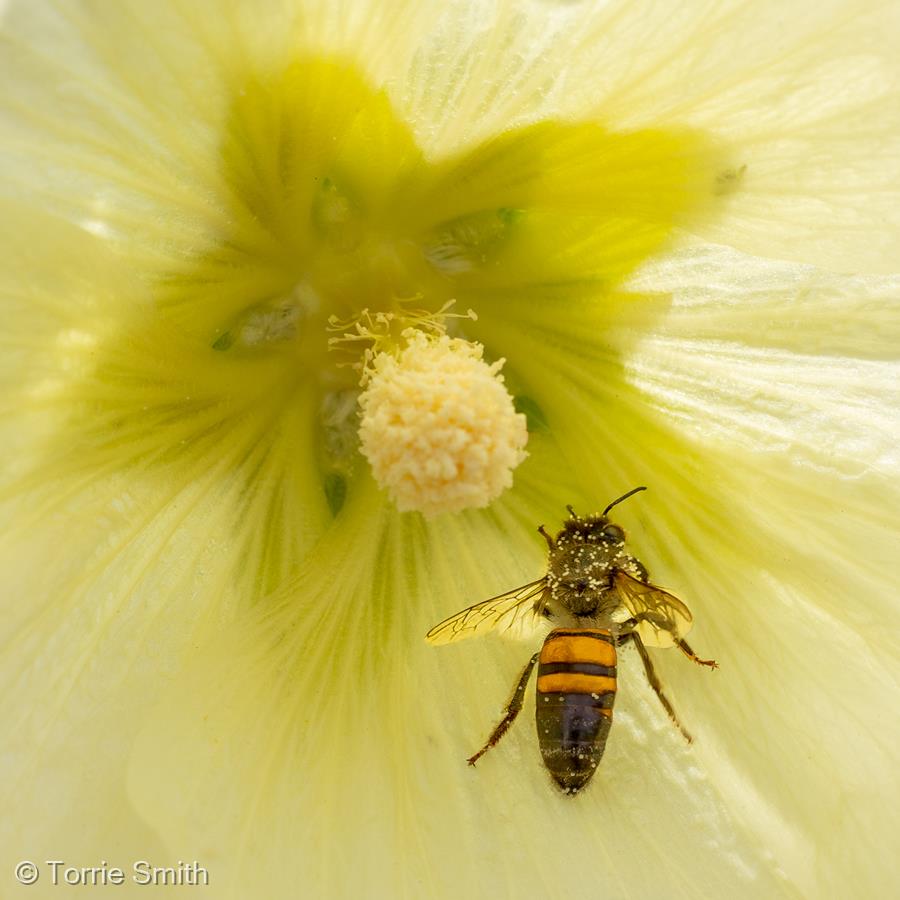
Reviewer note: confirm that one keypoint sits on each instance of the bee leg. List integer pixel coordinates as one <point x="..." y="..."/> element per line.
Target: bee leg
<point x="547" y="537"/>
<point x="686" y="650"/>
<point x="635" y="638"/>
<point x="512" y="710"/>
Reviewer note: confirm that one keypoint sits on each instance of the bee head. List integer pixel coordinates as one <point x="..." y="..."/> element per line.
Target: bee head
<point x="596" y="529"/>
<point x="590" y="530"/>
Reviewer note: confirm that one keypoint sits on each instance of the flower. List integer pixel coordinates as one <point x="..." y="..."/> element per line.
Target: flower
<point x="214" y="618"/>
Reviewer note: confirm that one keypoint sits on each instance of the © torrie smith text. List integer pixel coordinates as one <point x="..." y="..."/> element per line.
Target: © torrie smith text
<point x="142" y="872"/>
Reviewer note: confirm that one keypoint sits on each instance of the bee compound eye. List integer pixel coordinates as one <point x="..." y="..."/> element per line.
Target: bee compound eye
<point x="614" y="532"/>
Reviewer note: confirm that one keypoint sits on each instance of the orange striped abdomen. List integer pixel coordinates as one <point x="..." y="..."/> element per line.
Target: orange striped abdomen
<point x="576" y="688"/>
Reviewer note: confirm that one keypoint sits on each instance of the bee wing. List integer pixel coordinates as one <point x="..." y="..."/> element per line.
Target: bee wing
<point x="662" y="618"/>
<point x="516" y="607"/>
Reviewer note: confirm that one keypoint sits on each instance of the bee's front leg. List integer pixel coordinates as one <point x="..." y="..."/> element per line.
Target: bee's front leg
<point x="543" y="531"/>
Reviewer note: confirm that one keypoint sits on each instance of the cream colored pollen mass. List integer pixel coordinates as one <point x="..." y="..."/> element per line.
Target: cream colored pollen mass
<point x="438" y="426"/>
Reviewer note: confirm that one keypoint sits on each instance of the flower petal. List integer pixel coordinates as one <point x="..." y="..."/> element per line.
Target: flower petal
<point x="335" y="731"/>
<point x="800" y="452"/>
<point x="813" y="115"/>
<point x="128" y="519"/>
<point x="113" y="120"/>
<point x="808" y="101"/>
<point x="559" y="202"/>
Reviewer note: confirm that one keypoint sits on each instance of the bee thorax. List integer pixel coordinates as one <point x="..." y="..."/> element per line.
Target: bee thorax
<point x="578" y="576"/>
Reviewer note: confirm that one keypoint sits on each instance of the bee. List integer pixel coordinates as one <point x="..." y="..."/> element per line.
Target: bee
<point x="598" y="596"/>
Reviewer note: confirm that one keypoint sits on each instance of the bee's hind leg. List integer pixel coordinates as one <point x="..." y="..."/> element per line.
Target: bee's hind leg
<point x="686" y="650"/>
<point x="512" y="710"/>
<point x="635" y="638"/>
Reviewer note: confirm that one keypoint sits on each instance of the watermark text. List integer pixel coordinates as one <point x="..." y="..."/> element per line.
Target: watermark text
<point x="141" y="871"/>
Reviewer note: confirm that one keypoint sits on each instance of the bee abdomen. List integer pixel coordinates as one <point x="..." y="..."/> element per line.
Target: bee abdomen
<point x="576" y="689"/>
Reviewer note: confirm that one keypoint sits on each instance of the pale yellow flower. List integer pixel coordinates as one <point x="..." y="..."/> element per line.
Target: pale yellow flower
<point x="677" y="225"/>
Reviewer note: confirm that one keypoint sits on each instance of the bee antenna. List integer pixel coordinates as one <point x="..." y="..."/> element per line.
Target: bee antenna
<point x="571" y="511"/>
<point x="623" y="497"/>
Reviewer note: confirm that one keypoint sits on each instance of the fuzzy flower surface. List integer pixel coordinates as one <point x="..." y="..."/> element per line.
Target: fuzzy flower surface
<point x="438" y="427"/>
<point x="678" y="225"/>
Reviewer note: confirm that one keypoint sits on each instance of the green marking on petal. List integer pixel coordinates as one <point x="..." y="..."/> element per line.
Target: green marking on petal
<point x="335" y="491"/>
<point x="469" y="242"/>
<point x="534" y="415"/>
<point x="336" y="217"/>
<point x="265" y="325"/>
<point x="729" y="180"/>
<point x="223" y="341"/>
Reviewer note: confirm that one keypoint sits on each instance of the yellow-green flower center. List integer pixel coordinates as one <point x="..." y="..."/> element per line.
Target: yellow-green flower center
<point x="326" y="206"/>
